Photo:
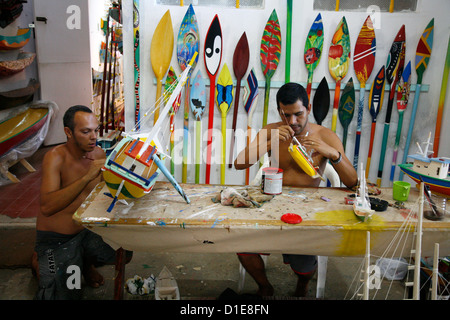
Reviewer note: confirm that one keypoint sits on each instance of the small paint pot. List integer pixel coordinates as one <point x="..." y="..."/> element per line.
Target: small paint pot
<point x="272" y="180"/>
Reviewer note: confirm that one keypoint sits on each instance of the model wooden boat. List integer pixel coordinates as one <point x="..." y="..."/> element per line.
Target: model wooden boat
<point x="132" y="167"/>
<point x="361" y="207"/>
<point x="432" y="171"/>
<point x="17" y="97"/>
<point x="166" y="287"/>
<point x="15" y="42"/>
<point x="17" y="130"/>
<point x="10" y="67"/>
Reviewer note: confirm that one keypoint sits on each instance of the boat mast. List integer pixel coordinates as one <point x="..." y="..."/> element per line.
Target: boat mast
<point x="418" y="251"/>
<point x="366" y="274"/>
<point x="434" y="283"/>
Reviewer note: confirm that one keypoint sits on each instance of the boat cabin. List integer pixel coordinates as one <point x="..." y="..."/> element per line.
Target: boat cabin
<point x="432" y="167"/>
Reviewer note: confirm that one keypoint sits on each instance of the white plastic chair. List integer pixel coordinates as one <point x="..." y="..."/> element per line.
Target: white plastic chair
<point x="322" y="261"/>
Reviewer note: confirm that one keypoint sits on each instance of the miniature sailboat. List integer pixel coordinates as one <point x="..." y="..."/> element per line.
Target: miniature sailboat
<point x="132" y="167"/>
<point x="166" y="287"/>
<point x="361" y="206"/>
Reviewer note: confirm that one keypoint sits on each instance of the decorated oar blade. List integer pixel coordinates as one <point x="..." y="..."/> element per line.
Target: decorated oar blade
<point x="241" y="58"/>
<point x="363" y="61"/>
<point x="402" y="101"/>
<point x="270" y="53"/>
<point x="423" y="53"/>
<point x="375" y="103"/>
<point x="346" y="108"/>
<point x="313" y="50"/>
<point x="338" y="62"/>
<point x="250" y="99"/>
<point x="394" y="69"/>
<point x="187" y="45"/>
<point x="224" y="98"/>
<point x="321" y="101"/>
<point x="161" y="50"/>
<point x="198" y="103"/>
<point x="212" y="57"/>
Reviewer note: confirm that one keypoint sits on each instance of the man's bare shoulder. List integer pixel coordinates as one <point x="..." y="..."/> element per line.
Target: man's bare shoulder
<point x="56" y="155"/>
<point x="98" y="153"/>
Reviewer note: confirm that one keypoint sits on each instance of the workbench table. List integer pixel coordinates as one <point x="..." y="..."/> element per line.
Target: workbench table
<point x="163" y="222"/>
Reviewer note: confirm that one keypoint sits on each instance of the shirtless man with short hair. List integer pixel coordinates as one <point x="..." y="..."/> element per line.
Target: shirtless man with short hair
<point x="324" y="144"/>
<point x="69" y="173"/>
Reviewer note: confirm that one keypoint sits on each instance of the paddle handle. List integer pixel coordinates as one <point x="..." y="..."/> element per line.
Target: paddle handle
<point x="437" y="131"/>
<point x="185" y="131"/>
<point x="369" y="156"/>
<point x="224" y="151"/>
<point x="387" y="122"/>
<point x="397" y="141"/>
<point x="337" y="92"/>
<point x="235" y="112"/>
<point x="287" y="74"/>
<point x="172" y="142"/>
<point x="198" y="134"/>
<point x="247" y="171"/>
<point x="359" y="125"/>
<point x="158" y="99"/>
<point x="212" y="80"/>
<point x="344" y="137"/>
<point x="309" y="85"/>
<point x="411" y="126"/>
<point x="266" y="101"/>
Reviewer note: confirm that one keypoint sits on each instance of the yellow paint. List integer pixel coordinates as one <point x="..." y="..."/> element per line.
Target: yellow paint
<point x="353" y="241"/>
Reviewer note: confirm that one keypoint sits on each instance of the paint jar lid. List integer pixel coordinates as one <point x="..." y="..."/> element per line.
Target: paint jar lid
<point x="291" y="218"/>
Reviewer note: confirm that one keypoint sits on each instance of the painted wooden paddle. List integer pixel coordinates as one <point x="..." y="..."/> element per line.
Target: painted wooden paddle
<point x="363" y="61"/>
<point x="161" y="50"/>
<point x="212" y="57"/>
<point x="224" y="98"/>
<point x="346" y="108"/>
<point x="394" y="70"/>
<point x="338" y="62"/>
<point x="423" y="53"/>
<point x="313" y="50"/>
<point x="402" y="101"/>
<point x="250" y="100"/>
<point x="437" y="131"/>
<point x="137" y="63"/>
<point x="241" y="58"/>
<point x="287" y="66"/>
<point x="270" y="53"/>
<point x="168" y="88"/>
<point x="187" y="45"/>
<point x="198" y="104"/>
<point x="321" y="101"/>
<point x="376" y="97"/>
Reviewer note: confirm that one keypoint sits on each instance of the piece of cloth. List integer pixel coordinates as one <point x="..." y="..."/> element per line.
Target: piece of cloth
<point x="57" y="252"/>
<point x="248" y="197"/>
<point x="299" y="263"/>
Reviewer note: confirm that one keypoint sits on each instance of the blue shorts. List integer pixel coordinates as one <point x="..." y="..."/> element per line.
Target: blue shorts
<point x="300" y="264"/>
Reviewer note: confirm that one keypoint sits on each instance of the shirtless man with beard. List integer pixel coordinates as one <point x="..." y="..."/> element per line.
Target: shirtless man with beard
<point x="275" y="138"/>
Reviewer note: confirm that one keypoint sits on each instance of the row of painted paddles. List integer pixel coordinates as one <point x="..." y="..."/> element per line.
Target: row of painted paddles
<point x="394" y="73"/>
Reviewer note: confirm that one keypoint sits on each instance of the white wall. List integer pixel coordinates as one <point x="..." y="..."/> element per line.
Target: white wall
<point x="235" y="21"/>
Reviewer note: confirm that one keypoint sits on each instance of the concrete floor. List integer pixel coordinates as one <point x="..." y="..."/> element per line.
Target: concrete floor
<point x="205" y="276"/>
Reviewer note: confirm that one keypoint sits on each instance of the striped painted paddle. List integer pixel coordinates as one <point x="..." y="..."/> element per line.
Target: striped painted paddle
<point x="423" y="54"/>
<point x="250" y="99"/>
<point x="402" y="101"/>
<point x="363" y="61"/>
<point x="187" y="45"/>
<point x="376" y="97"/>
<point x="394" y="70"/>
